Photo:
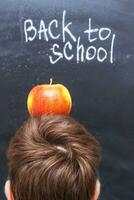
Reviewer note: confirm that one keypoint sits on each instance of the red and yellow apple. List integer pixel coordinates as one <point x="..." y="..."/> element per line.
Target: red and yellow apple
<point x="49" y="98"/>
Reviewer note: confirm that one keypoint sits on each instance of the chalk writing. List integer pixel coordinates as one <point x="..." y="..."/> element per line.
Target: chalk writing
<point x="73" y="47"/>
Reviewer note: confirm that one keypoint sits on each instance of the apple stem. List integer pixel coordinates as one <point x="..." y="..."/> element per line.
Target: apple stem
<point x="51" y="81"/>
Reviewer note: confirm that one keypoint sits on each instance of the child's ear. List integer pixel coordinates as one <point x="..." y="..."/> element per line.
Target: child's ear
<point x="8" y="191"/>
<point x="97" y="190"/>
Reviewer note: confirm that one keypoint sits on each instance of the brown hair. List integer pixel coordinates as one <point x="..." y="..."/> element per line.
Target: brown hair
<point x="53" y="158"/>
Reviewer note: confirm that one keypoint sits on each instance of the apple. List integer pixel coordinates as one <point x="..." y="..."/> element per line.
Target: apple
<point x="49" y="98"/>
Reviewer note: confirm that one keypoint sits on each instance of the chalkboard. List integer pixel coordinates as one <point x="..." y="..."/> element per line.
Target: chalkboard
<point x="87" y="46"/>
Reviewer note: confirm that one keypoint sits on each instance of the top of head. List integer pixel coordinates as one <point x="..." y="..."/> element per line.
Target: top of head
<point x="53" y="157"/>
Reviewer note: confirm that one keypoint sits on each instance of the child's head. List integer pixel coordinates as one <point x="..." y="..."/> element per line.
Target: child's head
<point x="53" y="158"/>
